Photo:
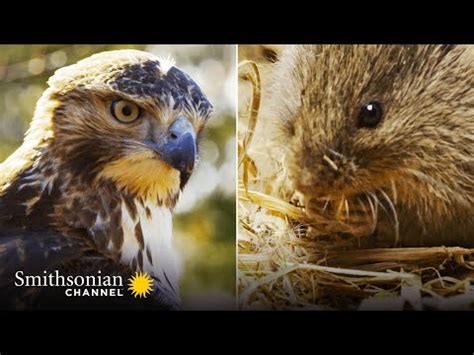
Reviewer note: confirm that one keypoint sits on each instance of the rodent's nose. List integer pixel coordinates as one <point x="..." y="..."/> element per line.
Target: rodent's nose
<point x="327" y="173"/>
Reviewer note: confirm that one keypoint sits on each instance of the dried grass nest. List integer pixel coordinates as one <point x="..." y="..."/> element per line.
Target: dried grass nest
<point x="281" y="266"/>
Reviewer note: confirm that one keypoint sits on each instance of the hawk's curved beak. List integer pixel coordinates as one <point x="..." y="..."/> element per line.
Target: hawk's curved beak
<point x="178" y="148"/>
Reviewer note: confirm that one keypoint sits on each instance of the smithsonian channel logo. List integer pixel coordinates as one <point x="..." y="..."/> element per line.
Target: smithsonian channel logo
<point x="139" y="285"/>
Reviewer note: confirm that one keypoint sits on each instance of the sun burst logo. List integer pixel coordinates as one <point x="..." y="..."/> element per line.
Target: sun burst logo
<point x="141" y="284"/>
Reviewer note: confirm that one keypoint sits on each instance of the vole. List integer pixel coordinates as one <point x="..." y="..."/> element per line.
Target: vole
<point x="382" y="132"/>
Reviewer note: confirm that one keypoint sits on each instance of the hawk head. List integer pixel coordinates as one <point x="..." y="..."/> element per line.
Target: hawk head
<point x="125" y="117"/>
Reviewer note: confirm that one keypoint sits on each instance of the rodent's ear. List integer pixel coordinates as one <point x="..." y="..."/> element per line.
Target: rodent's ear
<point x="271" y="53"/>
<point x="261" y="53"/>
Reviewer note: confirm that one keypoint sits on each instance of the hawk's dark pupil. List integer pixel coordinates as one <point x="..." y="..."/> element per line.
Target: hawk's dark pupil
<point x="127" y="110"/>
<point x="370" y="115"/>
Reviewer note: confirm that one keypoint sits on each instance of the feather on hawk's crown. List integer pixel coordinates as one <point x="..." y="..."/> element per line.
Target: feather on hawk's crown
<point x="135" y="73"/>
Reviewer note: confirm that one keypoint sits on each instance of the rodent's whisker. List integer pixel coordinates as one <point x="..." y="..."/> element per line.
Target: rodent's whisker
<point x="326" y="203"/>
<point x="346" y="205"/>
<point x="374" y="210"/>
<point x="331" y="163"/>
<point x="363" y="207"/>
<point x="394" y="191"/>
<point x="332" y="151"/>
<point x="377" y="202"/>
<point x="341" y="205"/>
<point x="395" y="215"/>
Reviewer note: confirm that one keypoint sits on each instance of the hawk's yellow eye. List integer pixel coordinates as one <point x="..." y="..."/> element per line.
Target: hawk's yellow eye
<point x="125" y="111"/>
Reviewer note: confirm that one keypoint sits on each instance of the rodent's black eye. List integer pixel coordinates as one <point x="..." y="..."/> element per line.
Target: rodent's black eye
<point x="370" y="115"/>
<point x="125" y="111"/>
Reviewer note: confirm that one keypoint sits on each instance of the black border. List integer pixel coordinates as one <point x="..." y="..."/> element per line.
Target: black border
<point x="245" y="332"/>
<point x="339" y="332"/>
<point x="241" y="23"/>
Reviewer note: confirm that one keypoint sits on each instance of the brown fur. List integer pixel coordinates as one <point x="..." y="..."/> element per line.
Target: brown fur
<point x="420" y="157"/>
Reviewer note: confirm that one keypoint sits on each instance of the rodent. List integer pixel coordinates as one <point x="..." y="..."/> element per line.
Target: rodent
<point x="382" y="126"/>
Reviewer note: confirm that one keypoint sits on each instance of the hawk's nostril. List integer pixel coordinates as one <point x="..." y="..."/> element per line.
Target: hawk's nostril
<point x="173" y="136"/>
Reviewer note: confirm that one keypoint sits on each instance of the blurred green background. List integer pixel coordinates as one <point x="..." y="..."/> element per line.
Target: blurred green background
<point x="205" y="216"/>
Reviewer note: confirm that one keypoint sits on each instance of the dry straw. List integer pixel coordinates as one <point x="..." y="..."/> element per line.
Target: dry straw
<point x="283" y="266"/>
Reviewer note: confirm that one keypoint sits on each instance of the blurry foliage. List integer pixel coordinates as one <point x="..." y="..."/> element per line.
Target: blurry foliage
<point x="205" y="216"/>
